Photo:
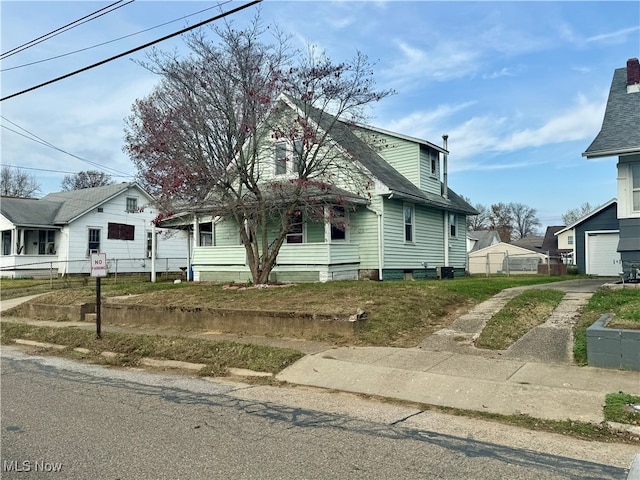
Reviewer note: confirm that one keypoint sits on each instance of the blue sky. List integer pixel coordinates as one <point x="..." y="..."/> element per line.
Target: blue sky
<point x="519" y="87"/>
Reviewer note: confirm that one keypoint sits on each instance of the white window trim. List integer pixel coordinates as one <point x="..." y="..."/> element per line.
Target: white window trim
<point x="453" y="224"/>
<point x="291" y="159"/>
<point x="633" y="189"/>
<point x="327" y="227"/>
<point x="92" y="250"/>
<point x="413" y="223"/>
<point x="126" y="204"/>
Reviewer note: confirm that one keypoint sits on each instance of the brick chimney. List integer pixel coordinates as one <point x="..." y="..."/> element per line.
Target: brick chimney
<point x="633" y="73"/>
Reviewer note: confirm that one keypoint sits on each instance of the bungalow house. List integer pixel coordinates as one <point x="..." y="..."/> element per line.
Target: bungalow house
<point x="620" y="136"/>
<point x="409" y="225"/>
<point x="596" y="238"/>
<point x="56" y="235"/>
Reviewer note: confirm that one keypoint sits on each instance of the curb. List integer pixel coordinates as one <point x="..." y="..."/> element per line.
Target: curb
<point x="149" y="362"/>
<point x="634" y="471"/>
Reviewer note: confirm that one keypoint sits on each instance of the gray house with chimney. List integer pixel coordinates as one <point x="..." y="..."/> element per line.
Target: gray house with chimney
<point x="620" y="136"/>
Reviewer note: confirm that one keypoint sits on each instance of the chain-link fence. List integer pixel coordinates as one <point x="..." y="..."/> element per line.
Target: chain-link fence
<point x="506" y="263"/>
<point x="115" y="266"/>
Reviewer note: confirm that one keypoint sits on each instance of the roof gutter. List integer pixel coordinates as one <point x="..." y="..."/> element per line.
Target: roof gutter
<point x="611" y="153"/>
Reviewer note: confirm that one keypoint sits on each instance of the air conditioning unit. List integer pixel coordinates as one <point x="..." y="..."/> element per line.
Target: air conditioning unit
<point x="444" y="272"/>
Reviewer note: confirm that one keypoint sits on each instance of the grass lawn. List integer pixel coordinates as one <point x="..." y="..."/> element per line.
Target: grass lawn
<point x="623" y="303"/>
<point x="522" y="313"/>
<point x="218" y="356"/>
<point x="398" y="313"/>
<point x="619" y="408"/>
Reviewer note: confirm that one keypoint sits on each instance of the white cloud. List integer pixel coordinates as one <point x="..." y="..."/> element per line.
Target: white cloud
<point x="617" y="36"/>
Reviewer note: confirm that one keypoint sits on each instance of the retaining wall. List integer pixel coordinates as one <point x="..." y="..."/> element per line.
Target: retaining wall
<point x="287" y="324"/>
<point x="612" y="347"/>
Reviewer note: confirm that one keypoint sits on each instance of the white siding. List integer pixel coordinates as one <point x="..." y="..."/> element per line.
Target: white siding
<point x="124" y="255"/>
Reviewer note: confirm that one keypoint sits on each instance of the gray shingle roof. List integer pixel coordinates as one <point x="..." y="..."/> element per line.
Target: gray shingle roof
<point x="58" y="208"/>
<point x="342" y="133"/>
<point x="29" y="211"/>
<point x="77" y="202"/>
<point x="484" y="238"/>
<point x="620" y="132"/>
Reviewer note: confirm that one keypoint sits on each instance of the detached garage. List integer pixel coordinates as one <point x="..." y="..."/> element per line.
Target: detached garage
<point x="602" y="259"/>
<point x="596" y="237"/>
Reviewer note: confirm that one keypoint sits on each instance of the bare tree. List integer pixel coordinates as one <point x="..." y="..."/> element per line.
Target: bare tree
<point x="200" y="135"/>
<point x="16" y="183"/>
<point x="501" y="219"/>
<point x="572" y="215"/>
<point x="525" y="222"/>
<point x="86" y="179"/>
<point x="481" y="221"/>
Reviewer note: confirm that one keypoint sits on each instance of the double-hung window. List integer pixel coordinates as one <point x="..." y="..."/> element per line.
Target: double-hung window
<point x="289" y="158"/>
<point x="132" y="204"/>
<point x="453" y="224"/>
<point x="295" y="230"/>
<point x="635" y="186"/>
<point x="94" y="240"/>
<point x="339" y="224"/>
<point x="409" y="223"/>
<point x="281" y="158"/>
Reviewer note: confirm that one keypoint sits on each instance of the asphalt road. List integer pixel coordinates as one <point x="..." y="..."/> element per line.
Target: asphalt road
<point x="90" y="422"/>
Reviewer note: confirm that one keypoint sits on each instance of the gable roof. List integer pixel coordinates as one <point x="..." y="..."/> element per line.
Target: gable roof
<point x="593" y="213"/>
<point x="620" y="132"/>
<point x="29" y="211"/>
<point x="484" y="238"/>
<point x="61" y="207"/>
<point x="530" y="242"/>
<point x="343" y="134"/>
<point x="550" y="242"/>
<point x="75" y="203"/>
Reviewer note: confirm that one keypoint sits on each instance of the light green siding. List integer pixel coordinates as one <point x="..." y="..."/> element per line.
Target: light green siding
<point x="430" y="182"/>
<point x="315" y="232"/>
<point x="458" y="244"/>
<point x="427" y="245"/>
<point x="363" y="231"/>
<point x="226" y="234"/>
<point x="402" y="155"/>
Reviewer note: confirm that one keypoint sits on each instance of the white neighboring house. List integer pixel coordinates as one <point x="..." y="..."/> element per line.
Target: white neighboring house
<point x="567" y="241"/>
<point x="57" y="234"/>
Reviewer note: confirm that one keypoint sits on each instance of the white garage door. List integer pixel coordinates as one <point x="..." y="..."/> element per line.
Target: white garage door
<point x="602" y="258"/>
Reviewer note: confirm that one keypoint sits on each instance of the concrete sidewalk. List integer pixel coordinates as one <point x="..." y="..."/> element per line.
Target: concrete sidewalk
<point x="503" y="386"/>
<point x="534" y="377"/>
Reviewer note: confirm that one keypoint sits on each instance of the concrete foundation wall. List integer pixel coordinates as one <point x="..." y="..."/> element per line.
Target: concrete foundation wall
<point x="288" y="324"/>
<point x="612" y="347"/>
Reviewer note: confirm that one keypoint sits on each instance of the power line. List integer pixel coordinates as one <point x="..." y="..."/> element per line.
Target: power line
<point x="166" y="37"/>
<point x="57" y="171"/>
<point x="63" y="29"/>
<point x="114" y="40"/>
<point x="50" y="145"/>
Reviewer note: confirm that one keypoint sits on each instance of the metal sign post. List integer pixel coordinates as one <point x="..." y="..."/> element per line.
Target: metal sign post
<point x="98" y="270"/>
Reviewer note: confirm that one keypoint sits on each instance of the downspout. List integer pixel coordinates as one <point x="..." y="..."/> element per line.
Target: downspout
<point x="192" y="248"/>
<point x="380" y="244"/>
<point x="445" y="194"/>
<point x="153" y="252"/>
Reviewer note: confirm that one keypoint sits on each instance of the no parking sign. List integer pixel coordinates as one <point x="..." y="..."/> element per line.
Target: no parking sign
<point x="98" y="264"/>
